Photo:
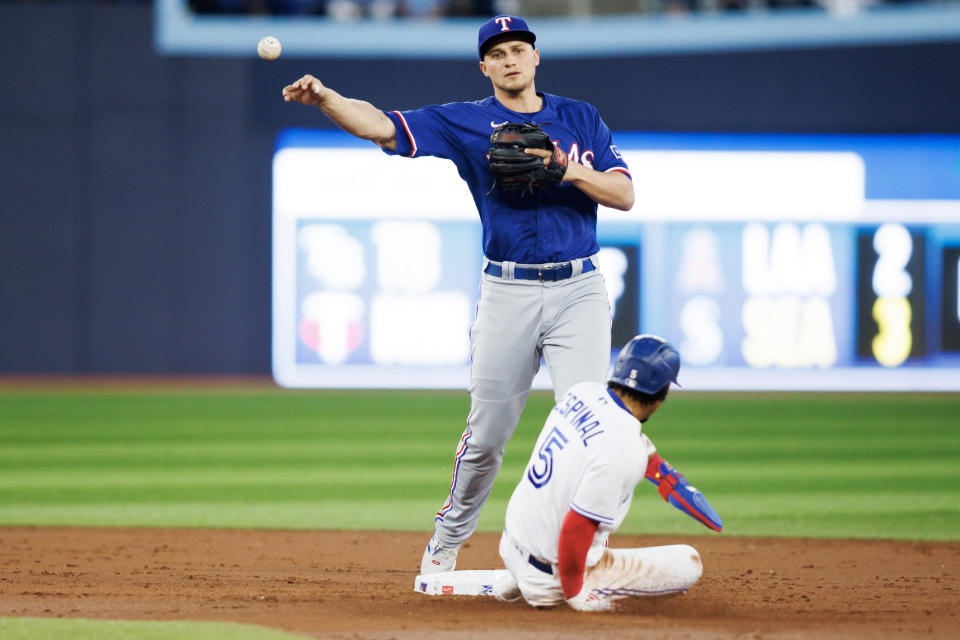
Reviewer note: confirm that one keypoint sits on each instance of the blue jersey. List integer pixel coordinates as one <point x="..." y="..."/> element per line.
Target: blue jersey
<point x="555" y="224"/>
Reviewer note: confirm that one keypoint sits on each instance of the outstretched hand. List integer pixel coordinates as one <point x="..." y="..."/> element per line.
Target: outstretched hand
<point x="307" y="90"/>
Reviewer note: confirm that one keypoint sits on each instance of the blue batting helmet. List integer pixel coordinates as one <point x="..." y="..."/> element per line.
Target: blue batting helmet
<point x="646" y="363"/>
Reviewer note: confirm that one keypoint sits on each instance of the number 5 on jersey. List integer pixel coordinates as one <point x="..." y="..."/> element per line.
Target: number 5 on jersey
<point x="540" y="471"/>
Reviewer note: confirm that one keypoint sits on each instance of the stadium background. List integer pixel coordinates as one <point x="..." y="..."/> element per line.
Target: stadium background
<point x="136" y="190"/>
<point x="135" y="267"/>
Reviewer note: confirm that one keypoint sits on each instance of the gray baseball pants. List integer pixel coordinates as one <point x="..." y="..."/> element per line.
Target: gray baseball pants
<point x="518" y="321"/>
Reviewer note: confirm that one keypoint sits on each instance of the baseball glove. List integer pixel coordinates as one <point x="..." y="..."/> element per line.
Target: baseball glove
<point x="514" y="170"/>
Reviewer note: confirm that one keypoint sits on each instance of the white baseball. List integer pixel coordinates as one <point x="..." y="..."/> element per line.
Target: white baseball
<point x="269" y="48"/>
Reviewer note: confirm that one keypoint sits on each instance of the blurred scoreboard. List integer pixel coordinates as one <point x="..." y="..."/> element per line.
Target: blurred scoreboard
<point x="772" y="262"/>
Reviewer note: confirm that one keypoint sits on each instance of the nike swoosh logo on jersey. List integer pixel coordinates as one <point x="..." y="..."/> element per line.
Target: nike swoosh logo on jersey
<point x="495" y="124"/>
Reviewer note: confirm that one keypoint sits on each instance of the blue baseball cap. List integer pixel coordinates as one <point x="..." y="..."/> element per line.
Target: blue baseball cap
<point x="500" y="26"/>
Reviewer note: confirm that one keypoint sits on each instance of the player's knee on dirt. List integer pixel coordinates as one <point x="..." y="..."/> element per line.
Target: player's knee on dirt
<point x="689" y="565"/>
<point x="646" y="571"/>
<point x="680" y="565"/>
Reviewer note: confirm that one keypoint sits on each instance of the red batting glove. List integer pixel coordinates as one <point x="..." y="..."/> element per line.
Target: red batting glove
<point x="664" y="483"/>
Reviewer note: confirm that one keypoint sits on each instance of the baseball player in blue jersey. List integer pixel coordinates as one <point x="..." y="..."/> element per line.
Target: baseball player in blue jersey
<point x="541" y="294"/>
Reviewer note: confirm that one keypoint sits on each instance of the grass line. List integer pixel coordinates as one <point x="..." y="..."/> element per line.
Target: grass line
<point x="902" y="472"/>
<point x="846" y="465"/>
<point x="82" y="629"/>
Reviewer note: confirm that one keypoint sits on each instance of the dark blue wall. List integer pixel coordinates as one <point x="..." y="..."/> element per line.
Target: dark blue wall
<point x="135" y="189"/>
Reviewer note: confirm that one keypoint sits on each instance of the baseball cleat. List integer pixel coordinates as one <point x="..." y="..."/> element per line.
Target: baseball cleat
<point x="437" y="557"/>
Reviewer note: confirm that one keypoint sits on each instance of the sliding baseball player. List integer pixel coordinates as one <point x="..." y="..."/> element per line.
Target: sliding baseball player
<point x="577" y="487"/>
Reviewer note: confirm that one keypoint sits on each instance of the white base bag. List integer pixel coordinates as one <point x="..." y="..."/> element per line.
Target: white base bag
<point x="458" y="583"/>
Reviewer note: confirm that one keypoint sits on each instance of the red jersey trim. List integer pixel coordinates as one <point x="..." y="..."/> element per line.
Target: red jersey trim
<point x="406" y="127"/>
<point x="621" y="170"/>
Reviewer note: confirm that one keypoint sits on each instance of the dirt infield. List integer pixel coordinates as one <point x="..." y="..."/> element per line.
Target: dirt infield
<point x="360" y="585"/>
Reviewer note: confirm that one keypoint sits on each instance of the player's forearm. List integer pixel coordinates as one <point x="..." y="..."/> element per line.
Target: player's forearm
<point x="359" y="118"/>
<point x="576" y="536"/>
<point x="611" y="188"/>
<point x="675" y="489"/>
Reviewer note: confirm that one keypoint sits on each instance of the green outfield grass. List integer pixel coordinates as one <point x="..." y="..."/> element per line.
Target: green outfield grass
<point x="79" y="629"/>
<point x="837" y="465"/>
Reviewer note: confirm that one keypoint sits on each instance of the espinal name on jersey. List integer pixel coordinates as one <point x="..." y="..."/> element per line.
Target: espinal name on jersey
<point x="580" y="416"/>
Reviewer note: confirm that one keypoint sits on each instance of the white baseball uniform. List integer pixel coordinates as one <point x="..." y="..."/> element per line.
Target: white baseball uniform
<point x="589" y="457"/>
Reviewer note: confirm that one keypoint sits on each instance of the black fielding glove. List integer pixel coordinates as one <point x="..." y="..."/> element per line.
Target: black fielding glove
<point x="514" y="170"/>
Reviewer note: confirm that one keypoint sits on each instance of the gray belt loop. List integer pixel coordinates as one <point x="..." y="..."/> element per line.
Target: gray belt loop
<point x="577" y="266"/>
<point x="508" y="269"/>
<point x="595" y="259"/>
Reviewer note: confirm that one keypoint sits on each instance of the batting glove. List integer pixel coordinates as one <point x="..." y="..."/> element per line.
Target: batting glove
<point x="675" y="489"/>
